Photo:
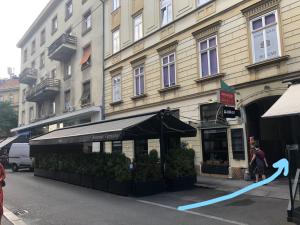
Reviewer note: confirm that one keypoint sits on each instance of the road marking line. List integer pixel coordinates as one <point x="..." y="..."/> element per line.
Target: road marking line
<point x="11" y="217"/>
<point x="193" y="213"/>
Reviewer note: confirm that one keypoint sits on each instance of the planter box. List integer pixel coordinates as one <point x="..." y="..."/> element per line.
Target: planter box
<point x="64" y="177"/>
<point x="40" y="173"/>
<point x="181" y="183"/>
<point x="214" y="169"/>
<point x="140" y="189"/>
<point x="100" y="183"/>
<point x="87" y="181"/>
<point x="119" y="188"/>
<point x="74" y="179"/>
<point x="46" y="174"/>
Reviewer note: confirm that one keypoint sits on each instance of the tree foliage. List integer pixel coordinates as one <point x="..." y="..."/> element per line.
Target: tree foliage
<point x="8" y="119"/>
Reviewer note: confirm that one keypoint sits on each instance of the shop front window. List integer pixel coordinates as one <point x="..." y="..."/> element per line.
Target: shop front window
<point x="237" y="140"/>
<point x="140" y="148"/>
<point x="215" y="147"/>
<point x="117" y="147"/>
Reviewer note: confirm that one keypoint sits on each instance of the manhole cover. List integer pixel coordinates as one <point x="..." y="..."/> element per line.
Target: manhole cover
<point x="20" y="212"/>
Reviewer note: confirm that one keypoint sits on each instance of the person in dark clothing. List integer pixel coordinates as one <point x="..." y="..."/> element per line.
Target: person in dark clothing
<point x="261" y="162"/>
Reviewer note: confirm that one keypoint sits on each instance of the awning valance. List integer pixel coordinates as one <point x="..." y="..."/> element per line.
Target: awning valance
<point x="144" y="126"/>
<point x="7" y="141"/>
<point x="287" y="105"/>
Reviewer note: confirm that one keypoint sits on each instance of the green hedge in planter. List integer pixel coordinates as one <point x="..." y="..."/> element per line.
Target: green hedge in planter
<point x="180" y="170"/>
<point x="119" y="174"/>
<point x="147" y="168"/>
<point x="147" y="176"/>
<point x="100" y="172"/>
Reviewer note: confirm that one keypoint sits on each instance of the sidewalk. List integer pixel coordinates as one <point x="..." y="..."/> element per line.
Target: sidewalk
<point x="5" y="221"/>
<point x="9" y="218"/>
<point x="277" y="189"/>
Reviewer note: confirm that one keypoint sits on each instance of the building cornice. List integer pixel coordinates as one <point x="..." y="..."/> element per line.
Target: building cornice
<point x="260" y="7"/>
<point x="81" y="112"/>
<point x="43" y="16"/>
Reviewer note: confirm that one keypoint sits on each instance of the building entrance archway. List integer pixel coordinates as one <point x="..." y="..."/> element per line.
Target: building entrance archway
<point x="270" y="133"/>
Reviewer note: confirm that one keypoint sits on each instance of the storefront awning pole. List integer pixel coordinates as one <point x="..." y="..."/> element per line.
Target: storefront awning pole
<point x="162" y="143"/>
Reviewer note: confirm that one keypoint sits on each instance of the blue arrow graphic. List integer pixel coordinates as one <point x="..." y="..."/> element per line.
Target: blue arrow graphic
<point x="281" y="165"/>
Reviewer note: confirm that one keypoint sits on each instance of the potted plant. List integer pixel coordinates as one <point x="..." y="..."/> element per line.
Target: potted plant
<point x="119" y="174"/>
<point x="71" y="167"/>
<point x="85" y="170"/>
<point x="180" y="172"/>
<point x="100" y="172"/>
<point x="147" y="177"/>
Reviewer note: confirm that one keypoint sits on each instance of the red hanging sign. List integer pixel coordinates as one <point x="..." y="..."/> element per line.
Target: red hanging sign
<point x="227" y="98"/>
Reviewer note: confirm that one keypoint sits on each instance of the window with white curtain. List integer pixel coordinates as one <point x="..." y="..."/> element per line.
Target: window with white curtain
<point x="138" y="27"/>
<point x="208" y="57"/>
<point x="139" y="86"/>
<point x="265" y="37"/>
<point x="202" y="2"/>
<point x="168" y="70"/>
<point x="166" y="12"/>
<point x="116" y="41"/>
<point x="116" y="83"/>
<point x="115" y="4"/>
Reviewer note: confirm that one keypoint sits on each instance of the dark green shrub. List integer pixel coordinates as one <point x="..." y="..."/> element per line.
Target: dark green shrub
<point x="180" y="163"/>
<point x="100" y="167"/>
<point x="118" y="167"/>
<point x="147" y="168"/>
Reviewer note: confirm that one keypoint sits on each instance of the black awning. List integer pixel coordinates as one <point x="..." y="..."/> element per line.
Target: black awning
<point x="146" y="126"/>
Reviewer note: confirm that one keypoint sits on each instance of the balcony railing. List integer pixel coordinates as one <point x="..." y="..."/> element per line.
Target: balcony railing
<point x="46" y="89"/>
<point x="63" y="48"/>
<point x="28" y="76"/>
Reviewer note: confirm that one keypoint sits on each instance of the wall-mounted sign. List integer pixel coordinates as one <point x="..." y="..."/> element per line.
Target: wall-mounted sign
<point x="292" y="147"/>
<point x="227" y="98"/>
<point x="230" y="112"/>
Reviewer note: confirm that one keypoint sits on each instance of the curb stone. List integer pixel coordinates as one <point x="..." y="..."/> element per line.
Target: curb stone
<point x="11" y="217"/>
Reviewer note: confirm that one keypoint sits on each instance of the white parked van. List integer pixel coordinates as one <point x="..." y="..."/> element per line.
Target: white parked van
<point x="18" y="157"/>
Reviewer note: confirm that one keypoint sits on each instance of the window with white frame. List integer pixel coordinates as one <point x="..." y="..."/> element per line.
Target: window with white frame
<point x="138" y="27"/>
<point x="116" y="41"/>
<point x="166" y="11"/>
<point x="43" y="37"/>
<point x="168" y="70"/>
<point x="115" y="4"/>
<point x="31" y="114"/>
<point x="208" y="57"/>
<point x="116" y="83"/>
<point x="139" y="85"/>
<point x="69" y="9"/>
<point x="25" y="55"/>
<point x="87" y="21"/>
<point x="265" y="37"/>
<point x="42" y="60"/>
<point x="202" y="2"/>
<point x="68" y="70"/>
<point x="54" y="25"/>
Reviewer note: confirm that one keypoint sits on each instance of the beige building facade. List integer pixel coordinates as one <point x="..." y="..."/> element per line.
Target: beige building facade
<point x="9" y="92"/>
<point x="61" y="70"/>
<point x="173" y="54"/>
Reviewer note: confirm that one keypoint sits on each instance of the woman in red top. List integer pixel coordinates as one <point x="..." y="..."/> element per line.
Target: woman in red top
<point x="2" y="177"/>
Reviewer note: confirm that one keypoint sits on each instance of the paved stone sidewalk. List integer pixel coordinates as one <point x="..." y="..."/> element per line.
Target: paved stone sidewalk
<point x="277" y="189"/>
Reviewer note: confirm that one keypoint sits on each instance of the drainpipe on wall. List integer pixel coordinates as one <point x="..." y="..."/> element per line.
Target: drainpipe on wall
<point x="103" y="51"/>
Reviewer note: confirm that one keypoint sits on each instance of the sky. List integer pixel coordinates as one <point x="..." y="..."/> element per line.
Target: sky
<point x="16" y="16"/>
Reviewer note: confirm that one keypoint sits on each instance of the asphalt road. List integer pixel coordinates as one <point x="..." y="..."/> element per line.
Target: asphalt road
<point x="48" y="202"/>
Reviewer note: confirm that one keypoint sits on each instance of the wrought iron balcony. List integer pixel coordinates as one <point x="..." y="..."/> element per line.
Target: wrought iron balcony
<point x="63" y="48"/>
<point x="28" y="76"/>
<point x="46" y="89"/>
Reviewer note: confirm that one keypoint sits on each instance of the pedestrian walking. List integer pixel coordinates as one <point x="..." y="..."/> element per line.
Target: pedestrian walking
<point x="260" y="160"/>
<point x="2" y="184"/>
